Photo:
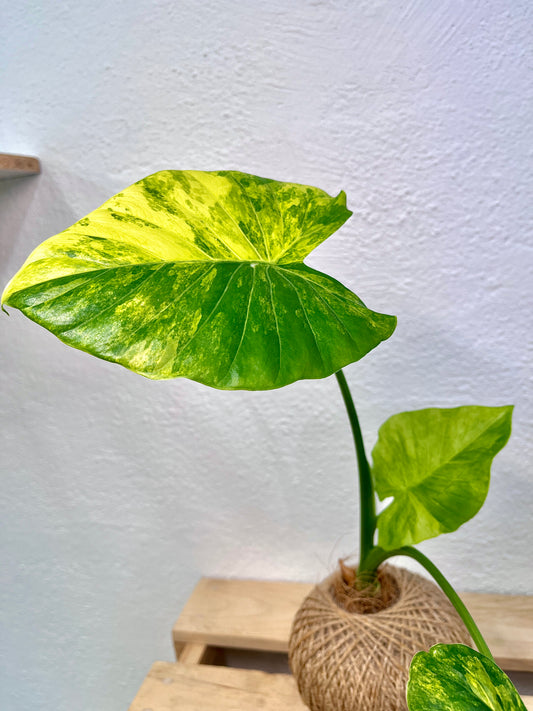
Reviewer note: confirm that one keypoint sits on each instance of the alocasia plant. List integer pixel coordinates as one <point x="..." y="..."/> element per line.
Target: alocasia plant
<point x="201" y="275"/>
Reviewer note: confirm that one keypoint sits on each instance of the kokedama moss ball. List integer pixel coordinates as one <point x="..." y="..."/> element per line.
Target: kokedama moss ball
<point x="359" y="660"/>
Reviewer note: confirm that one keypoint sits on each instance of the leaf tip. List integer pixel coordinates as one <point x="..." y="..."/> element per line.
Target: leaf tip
<point x="3" y="300"/>
<point x="393" y="322"/>
<point x="508" y="414"/>
<point x="341" y="201"/>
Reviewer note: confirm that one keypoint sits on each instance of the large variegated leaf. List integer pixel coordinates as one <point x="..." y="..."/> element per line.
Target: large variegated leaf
<point x="436" y="465"/>
<point x="201" y="275"/>
<point x="453" y="677"/>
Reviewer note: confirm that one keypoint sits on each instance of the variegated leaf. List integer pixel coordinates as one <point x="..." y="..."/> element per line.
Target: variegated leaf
<point x="436" y="465"/>
<point x="453" y="677"/>
<point x="200" y="275"/>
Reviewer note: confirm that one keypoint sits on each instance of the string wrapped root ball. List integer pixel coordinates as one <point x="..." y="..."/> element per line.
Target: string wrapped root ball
<point x="359" y="661"/>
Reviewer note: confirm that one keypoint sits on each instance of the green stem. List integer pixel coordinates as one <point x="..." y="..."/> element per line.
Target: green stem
<point x="378" y="555"/>
<point x="367" y="500"/>
<point x="371" y="556"/>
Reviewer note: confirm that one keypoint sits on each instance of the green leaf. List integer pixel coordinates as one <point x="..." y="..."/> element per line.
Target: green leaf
<point x="436" y="465"/>
<point x="453" y="677"/>
<point x="201" y="275"/>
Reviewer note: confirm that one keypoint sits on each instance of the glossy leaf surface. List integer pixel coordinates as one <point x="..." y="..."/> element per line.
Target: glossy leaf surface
<point x="436" y="465"/>
<point x="453" y="677"/>
<point x="201" y="275"/>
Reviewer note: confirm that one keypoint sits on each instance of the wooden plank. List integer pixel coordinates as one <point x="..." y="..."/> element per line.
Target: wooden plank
<point x="248" y="614"/>
<point x="244" y="614"/>
<point x="506" y="622"/>
<point x="193" y="653"/>
<point x="16" y="166"/>
<point x="173" y="686"/>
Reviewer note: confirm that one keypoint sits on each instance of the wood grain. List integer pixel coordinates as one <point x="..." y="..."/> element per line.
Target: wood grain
<point x="245" y="614"/>
<point x="191" y="687"/>
<point x="15" y="166"/>
<point x="256" y="615"/>
<point x="173" y="686"/>
<point x="193" y="653"/>
<point x="506" y="622"/>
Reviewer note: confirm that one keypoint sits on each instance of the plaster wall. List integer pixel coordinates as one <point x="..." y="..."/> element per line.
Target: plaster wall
<point x="118" y="493"/>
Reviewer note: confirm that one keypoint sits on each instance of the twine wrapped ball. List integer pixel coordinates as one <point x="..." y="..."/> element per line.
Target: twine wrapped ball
<point x="351" y="661"/>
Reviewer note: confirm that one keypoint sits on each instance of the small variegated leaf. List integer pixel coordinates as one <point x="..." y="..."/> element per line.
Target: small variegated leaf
<point x="200" y="275"/>
<point x="436" y="465"/>
<point x="453" y="677"/>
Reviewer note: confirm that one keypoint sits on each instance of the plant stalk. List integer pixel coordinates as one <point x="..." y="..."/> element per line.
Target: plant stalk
<point x="378" y="556"/>
<point x="367" y="499"/>
<point x="371" y="556"/>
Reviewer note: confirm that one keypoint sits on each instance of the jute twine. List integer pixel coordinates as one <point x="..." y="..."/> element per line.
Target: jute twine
<point x="353" y="661"/>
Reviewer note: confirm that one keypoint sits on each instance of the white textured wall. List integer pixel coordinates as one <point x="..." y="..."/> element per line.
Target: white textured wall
<point x="118" y="492"/>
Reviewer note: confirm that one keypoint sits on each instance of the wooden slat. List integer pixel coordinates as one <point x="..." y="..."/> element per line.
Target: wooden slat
<point x="244" y="614"/>
<point x="506" y="622"/>
<point x="248" y="614"/>
<point x="193" y="653"/>
<point x="186" y="687"/>
<point x="189" y="687"/>
<point x="16" y="166"/>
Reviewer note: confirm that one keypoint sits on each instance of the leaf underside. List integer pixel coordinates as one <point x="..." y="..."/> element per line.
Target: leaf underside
<point x="201" y="275"/>
<point x="453" y="677"/>
<point x="436" y="465"/>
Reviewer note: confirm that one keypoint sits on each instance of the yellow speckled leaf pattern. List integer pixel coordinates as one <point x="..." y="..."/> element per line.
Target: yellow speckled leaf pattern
<point x="453" y="677"/>
<point x="201" y="275"/>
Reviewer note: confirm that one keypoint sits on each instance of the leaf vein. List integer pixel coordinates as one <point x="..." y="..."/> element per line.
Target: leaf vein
<point x="202" y="325"/>
<point x="265" y="243"/>
<point x="307" y="319"/>
<point x="267" y="270"/>
<point x="450" y="459"/>
<point x="171" y="303"/>
<point x="245" y="324"/>
<point x="313" y="287"/>
<point x="221" y="206"/>
<point x="294" y="242"/>
<point x="114" y="304"/>
<point x="174" y="235"/>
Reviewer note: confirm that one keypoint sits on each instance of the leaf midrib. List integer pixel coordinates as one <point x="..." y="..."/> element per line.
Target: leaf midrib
<point x="410" y="489"/>
<point x="161" y="262"/>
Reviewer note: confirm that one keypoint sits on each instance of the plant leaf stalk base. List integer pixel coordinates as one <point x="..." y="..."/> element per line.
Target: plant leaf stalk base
<point x="372" y="556"/>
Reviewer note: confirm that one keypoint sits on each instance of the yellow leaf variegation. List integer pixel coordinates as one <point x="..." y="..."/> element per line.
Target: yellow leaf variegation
<point x="201" y="275"/>
<point x="453" y="677"/>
